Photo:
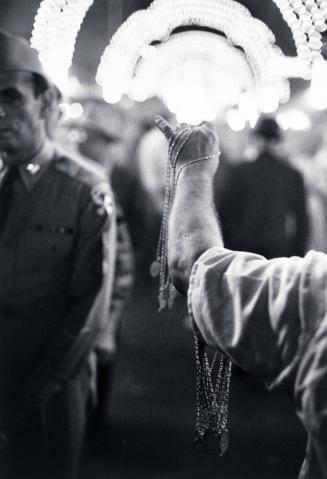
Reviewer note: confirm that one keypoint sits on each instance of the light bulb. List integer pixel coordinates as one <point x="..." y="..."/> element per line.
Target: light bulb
<point x="235" y="120"/>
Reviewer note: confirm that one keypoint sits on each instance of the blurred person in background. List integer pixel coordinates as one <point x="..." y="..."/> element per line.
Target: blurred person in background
<point x="96" y="140"/>
<point x="311" y="162"/>
<point x="151" y="157"/>
<point x="262" y="203"/>
<point x="55" y="219"/>
<point x="268" y="316"/>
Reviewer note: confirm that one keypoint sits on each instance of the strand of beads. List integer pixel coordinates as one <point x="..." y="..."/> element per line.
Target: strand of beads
<point x="211" y="397"/>
<point x="211" y="400"/>
<point x="159" y="267"/>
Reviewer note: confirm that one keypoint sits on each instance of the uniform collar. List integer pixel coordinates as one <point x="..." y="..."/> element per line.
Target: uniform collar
<point x="32" y="170"/>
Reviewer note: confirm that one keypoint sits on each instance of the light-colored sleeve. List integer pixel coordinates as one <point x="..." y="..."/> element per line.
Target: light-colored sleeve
<point x="256" y="310"/>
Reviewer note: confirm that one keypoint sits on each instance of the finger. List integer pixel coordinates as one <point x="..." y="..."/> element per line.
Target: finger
<point x="209" y="129"/>
<point x="164" y="126"/>
<point x="184" y="126"/>
<point x="208" y="126"/>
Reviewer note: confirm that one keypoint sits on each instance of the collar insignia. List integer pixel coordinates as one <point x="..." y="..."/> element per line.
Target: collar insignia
<point x="33" y="168"/>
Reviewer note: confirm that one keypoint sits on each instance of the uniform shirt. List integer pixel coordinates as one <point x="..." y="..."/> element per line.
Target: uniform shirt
<point x="269" y="317"/>
<point x="54" y="258"/>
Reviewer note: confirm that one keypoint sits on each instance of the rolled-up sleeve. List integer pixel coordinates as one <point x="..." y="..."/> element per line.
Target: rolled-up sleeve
<point x="255" y="310"/>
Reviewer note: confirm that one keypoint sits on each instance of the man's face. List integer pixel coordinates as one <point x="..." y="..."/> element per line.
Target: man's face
<point x="21" y="122"/>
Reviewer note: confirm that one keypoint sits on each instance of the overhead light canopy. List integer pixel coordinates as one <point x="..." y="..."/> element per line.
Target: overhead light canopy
<point x="225" y="53"/>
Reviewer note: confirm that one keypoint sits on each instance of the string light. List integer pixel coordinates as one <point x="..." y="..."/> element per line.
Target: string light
<point x="125" y="68"/>
<point x="307" y="19"/>
<point x="56" y="26"/>
<point x="130" y="53"/>
<point x="163" y="16"/>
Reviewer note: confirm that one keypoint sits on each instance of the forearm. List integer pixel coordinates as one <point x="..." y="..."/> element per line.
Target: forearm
<point x="193" y="224"/>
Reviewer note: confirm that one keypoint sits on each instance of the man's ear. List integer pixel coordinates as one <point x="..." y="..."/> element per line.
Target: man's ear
<point x="49" y="101"/>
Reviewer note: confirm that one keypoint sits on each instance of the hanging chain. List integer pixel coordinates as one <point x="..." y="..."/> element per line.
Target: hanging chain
<point x="211" y="397"/>
<point x="159" y="267"/>
<point x="211" y="400"/>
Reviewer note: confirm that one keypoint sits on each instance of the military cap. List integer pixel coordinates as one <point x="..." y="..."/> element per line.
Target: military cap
<point x="16" y="54"/>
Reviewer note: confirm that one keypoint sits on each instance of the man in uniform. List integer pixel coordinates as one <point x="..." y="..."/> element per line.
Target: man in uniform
<point x="55" y="217"/>
<point x="268" y="316"/>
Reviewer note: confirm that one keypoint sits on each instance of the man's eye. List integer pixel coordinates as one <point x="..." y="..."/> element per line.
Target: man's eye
<point x="10" y="96"/>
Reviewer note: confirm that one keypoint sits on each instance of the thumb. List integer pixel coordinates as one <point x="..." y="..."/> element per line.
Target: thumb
<point x="165" y="127"/>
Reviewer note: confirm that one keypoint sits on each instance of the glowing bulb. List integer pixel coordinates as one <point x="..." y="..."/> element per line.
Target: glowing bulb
<point x="268" y="100"/>
<point x="139" y="91"/>
<point x="53" y="66"/>
<point x="293" y="119"/>
<point x="75" y="110"/>
<point x="253" y="120"/>
<point x="247" y="106"/>
<point x="112" y="95"/>
<point x="318" y="90"/>
<point x="235" y="120"/>
<point x="283" y="121"/>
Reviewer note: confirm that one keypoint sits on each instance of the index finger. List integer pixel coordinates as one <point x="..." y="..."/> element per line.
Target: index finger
<point x="207" y="125"/>
<point x="209" y="128"/>
<point x="165" y="127"/>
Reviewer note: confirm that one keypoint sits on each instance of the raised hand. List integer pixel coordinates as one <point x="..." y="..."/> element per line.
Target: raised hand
<point x="191" y="145"/>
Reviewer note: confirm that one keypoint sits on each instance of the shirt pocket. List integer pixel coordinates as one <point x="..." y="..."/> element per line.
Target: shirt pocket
<point x="49" y="242"/>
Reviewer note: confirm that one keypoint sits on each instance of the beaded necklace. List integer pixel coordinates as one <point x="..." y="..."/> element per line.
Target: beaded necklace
<point x="211" y="396"/>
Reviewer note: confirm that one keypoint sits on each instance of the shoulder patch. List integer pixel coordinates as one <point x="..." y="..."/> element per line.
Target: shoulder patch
<point x="102" y="198"/>
<point x="81" y="169"/>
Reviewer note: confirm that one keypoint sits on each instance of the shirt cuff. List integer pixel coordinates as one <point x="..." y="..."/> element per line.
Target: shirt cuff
<point x="204" y="256"/>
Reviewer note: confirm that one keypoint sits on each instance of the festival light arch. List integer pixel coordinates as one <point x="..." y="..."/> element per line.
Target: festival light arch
<point x="151" y="38"/>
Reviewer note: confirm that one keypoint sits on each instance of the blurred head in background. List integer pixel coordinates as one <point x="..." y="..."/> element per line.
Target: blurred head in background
<point x="267" y="135"/>
<point x="152" y="163"/>
<point x="94" y="134"/>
